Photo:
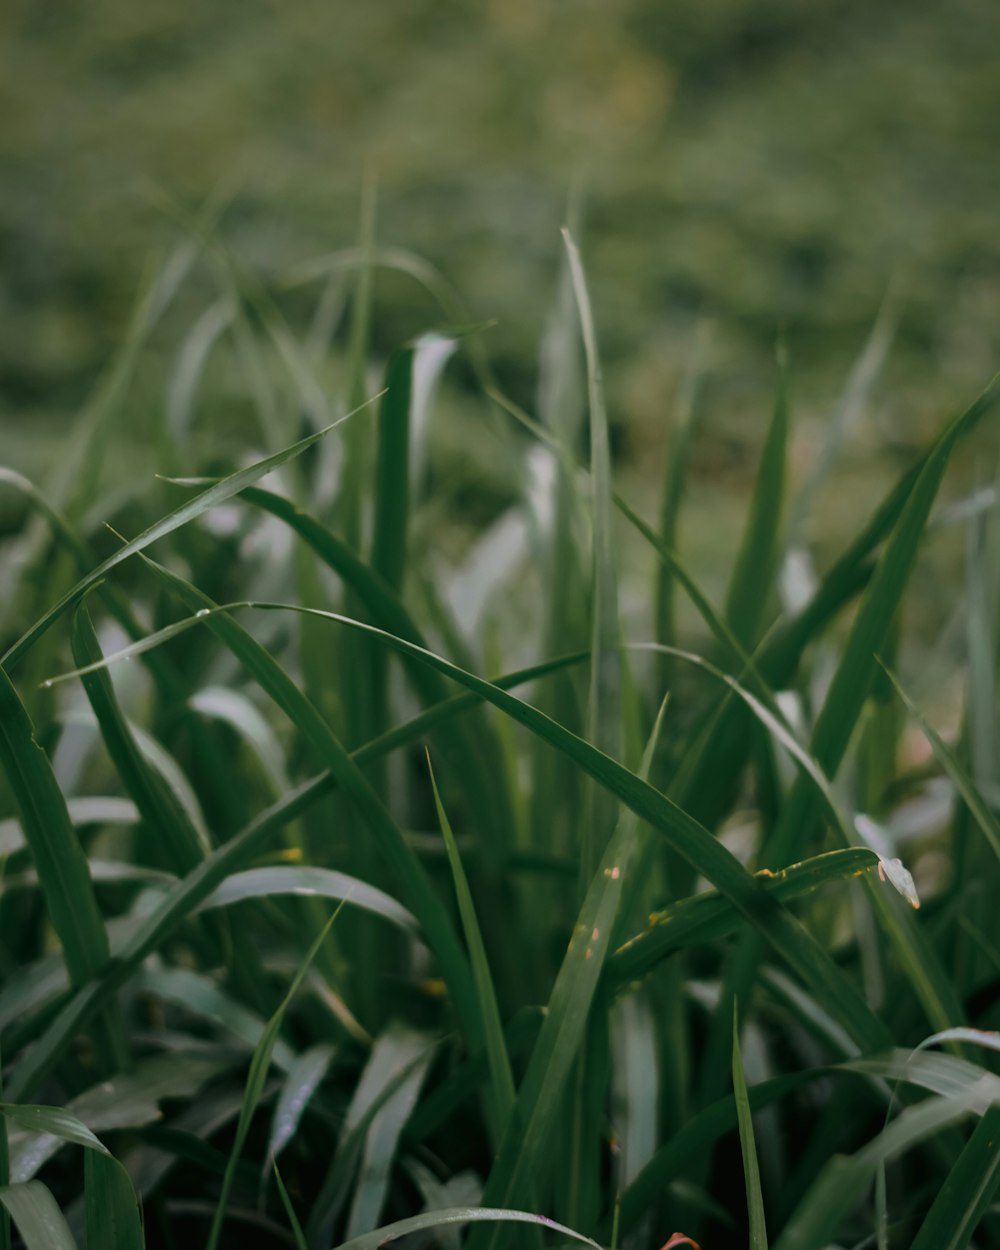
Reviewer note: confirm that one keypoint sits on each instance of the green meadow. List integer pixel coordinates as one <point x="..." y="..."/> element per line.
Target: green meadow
<point x="500" y="754"/>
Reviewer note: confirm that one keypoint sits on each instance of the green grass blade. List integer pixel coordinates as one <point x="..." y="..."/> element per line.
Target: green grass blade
<point x="259" y="1066"/>
<point x="604" y="717"/>
<point x="310" y="882"/>
<point x="501" y="1080"/>
<point x="55" y="848"/>
<point x="392" y="472"/>
<point x="112" y="1208"/>
<point x="705" y="918"/>
<point x="757" y="561"/>
<point x="215" y="494"/>
<point x="751" y="1169"/>
<point x="159" y="807"/>
<point x="458" y="1215"/>
<point x="293" y="1219"/>
<point x="963" y="1199"/>
<point x="37" y="1217"/>
<point x="960" y="779"/>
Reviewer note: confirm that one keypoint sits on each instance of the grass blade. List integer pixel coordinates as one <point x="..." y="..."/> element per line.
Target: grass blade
<point x="751" y="1169"/>
<point x="457" y="1215"/>
<point x="302" y="1080"/>
<point x="501" y="1080"/>
<point x="57" y="853"/>
<point x="39" y="1221"/>
<point x="113" y="1218"/>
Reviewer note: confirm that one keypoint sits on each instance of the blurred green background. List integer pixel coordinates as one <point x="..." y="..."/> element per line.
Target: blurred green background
<point x="755" y="166"/>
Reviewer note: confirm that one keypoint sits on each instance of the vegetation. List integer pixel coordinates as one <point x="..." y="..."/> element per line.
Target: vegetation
<point x="314" y="936"/>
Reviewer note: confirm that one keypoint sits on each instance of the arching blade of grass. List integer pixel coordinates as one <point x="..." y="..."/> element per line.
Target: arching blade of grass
<point x="159" y="807"/>
<point x="960" y="779"/>
<point x="965" y="1196"/>
<point x="213" y="495"/>
<point x="37" y="1217"/>
<point x="690" y="839"/>
<point x="757" y="561"/>
<point x="293" y="1219"/>
<point x="259" y="1065"/>
<point x="311" y="882"/>
<point x="705" y="918"/>
<point x="458" y="1215"/>
<point x="751" y="1170"/>
<point x="500" y="1099"/>
<point x="233" y="855"/>
<point x="112" y="1210"/>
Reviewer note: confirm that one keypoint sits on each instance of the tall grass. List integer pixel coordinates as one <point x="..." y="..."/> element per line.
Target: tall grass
<point x="314" y="935"/>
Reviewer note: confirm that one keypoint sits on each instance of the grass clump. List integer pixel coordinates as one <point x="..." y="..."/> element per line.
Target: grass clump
<point x="218" y="734"/>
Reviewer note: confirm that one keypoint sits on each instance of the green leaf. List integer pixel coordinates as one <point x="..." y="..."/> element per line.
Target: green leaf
<point x="39" y="1221"/>
<point x="55" y="848"/>
<point x="751" y="1170"/>
<point x="501" y="1081"/>
<point x="312" y="882"/>
<point x="457" y="1215"/>
<point x="302" y="1080"/>
<point x="113" y="1218"/>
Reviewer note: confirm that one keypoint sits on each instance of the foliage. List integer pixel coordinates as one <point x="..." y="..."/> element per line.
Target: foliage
<point x="216" y="735"/>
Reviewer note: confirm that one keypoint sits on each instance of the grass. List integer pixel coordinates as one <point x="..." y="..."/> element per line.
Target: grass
<point x="551" y="887"/>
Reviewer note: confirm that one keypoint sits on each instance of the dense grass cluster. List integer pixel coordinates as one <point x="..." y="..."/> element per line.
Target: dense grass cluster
<point x="310" y="929"/>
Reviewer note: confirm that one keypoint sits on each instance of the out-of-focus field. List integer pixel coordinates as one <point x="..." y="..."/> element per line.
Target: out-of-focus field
<point x="758" y="166"/>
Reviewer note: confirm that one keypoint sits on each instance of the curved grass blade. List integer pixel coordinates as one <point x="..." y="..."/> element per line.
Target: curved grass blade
<point x="309" y="881"/>
<point x="705" y="918"/>
<point x="259" y="1066"/>
<point x="39" y="1221"/>
<point x="457" y="1215"/>
<point x="215" y="494"/>
<point x="751" y="1169"/>
<point x="293" y="1219"/>
<point x="112" y="1206"/>
<point x="966" y="1194"/>
<point x="501" y="1081"/>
